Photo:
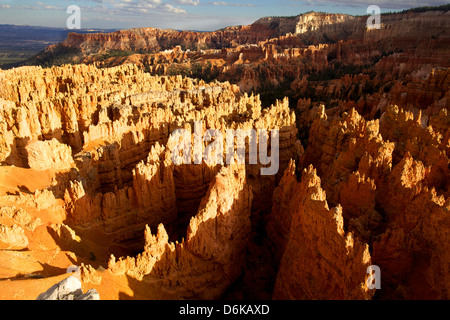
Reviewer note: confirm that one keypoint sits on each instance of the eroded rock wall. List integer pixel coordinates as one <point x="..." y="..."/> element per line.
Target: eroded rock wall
<point x="388" y="177"/>
<point x="319" y="259"/>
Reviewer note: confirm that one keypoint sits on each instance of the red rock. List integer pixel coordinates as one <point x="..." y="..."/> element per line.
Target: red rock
<point x="320" y="260"/>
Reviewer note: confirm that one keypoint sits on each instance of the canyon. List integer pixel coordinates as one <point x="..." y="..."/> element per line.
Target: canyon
<point x="88" y="178"/>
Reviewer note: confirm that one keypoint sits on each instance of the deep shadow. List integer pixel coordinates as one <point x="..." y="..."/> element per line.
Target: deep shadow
<point x="19" y="155"/>
<point x="50" y="271"/>
<point x="46" y="272"/>
<point x="24" y="189"/>
<point x="82" y="250"/>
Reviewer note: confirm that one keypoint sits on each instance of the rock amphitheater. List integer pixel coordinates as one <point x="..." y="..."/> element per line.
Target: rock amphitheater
<point x="88" y="182"/>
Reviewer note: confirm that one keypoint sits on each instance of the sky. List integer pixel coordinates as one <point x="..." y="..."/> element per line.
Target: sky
<point x="203" y="15"/>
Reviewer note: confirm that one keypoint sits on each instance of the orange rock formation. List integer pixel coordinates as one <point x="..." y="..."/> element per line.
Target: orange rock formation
<point x="320" y="260"/>
<point x="87" y="175"/>
<point x="394" y="194"/>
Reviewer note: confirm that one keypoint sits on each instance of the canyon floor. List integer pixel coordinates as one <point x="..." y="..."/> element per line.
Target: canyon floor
<point x="88" y="176"/>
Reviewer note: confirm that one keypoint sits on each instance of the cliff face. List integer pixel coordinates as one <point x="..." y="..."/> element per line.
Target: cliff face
<point x="312" y="28"/>
<point x="314" y="21"/>
<point x="154" y="40"/>
<point x="391" y="191"/>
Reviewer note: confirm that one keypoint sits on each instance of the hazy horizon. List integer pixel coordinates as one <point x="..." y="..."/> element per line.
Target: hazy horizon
<point x="201" y="15"/>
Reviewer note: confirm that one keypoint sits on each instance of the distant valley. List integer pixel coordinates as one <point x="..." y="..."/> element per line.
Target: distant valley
<point x="18" y="43"/>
